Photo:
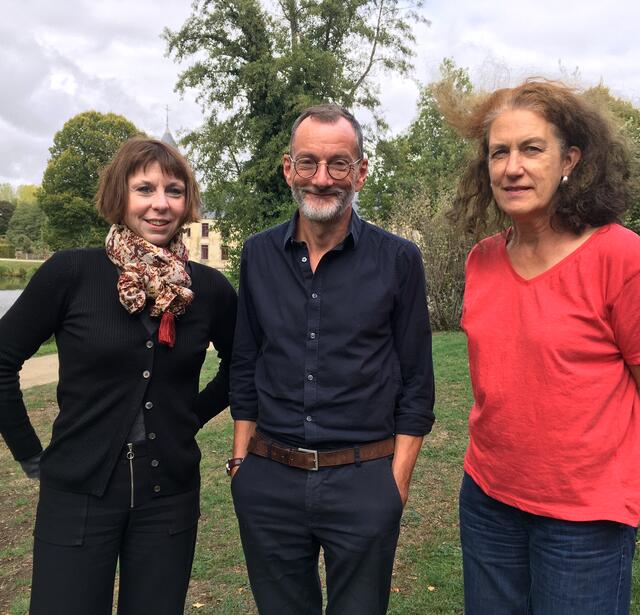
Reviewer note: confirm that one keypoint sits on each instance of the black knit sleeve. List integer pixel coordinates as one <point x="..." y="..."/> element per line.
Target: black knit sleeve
<point x="33" y="318"/>
<point x="214" y="398"/>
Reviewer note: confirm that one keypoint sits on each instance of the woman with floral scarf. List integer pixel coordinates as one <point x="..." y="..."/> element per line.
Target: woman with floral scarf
<point x="119" y="480"/>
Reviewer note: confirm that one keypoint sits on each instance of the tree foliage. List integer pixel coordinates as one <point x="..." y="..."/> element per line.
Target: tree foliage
<point x="410" y="188"/>
<point x="628" y="119"/>
<point x="256" y="67"/>
<point x="7" y="193"/>
<point x="443" y="249"/>
<point x="79" y="151"/>
<point x="424" y="162"/>
<point x="27" y="193"/>
<point x="26" y="228"/>
<point x="6" y="211"/>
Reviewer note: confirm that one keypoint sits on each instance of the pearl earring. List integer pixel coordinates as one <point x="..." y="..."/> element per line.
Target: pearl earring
<point x="565" y="179"/>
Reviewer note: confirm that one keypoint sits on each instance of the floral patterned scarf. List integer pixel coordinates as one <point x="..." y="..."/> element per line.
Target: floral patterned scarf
<point x="147" y="272"/>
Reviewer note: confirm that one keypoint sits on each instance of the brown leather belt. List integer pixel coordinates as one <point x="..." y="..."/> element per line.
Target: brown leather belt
<point x="308" y="459"/>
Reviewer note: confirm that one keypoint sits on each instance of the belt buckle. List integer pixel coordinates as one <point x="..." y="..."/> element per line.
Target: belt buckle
<point x="315" y="457"/>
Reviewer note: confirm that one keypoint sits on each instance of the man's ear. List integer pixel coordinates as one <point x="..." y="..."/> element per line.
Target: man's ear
<point x="287" y="168"/>
<point x="361" y="173"/>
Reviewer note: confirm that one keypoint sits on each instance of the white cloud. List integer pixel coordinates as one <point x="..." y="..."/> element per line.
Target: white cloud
<point x="60" y="58"/>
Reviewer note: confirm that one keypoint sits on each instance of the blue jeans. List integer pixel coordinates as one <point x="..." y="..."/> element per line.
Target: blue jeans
<point x="517" y="563"/>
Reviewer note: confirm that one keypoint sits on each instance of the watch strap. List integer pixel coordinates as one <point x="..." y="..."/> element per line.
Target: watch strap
<point x="234" y="462"/>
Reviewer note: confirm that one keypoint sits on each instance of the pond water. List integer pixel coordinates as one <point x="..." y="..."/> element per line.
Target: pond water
<point x="7" y="297"/>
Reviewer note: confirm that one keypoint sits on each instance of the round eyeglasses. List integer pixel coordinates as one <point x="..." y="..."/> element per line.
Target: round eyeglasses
<point x="337" y="169"/>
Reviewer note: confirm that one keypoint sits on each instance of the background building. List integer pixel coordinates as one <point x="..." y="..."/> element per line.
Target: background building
<point x="205" y="245"/>
<point x="202" y="238"/>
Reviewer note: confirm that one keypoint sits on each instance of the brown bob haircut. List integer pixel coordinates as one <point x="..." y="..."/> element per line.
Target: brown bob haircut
<point x="597" y="192"/>
<point x="135" y="154"/>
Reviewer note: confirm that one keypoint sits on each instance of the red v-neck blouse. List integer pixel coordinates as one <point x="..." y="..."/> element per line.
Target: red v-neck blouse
<point x="555" y="427"/>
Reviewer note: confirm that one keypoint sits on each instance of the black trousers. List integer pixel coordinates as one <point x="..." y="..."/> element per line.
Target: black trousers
<point x="287" y="514"/>
<point x="80" y="538"/>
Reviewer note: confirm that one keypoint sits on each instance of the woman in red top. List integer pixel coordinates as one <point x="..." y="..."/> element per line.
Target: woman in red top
<point x="550" y="499"/>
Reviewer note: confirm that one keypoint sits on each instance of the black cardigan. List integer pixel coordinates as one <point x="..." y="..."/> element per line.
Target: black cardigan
<point x="109" y="369"/>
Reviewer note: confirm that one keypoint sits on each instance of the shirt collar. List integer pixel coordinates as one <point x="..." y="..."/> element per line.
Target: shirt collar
<point x="355" y="228"/>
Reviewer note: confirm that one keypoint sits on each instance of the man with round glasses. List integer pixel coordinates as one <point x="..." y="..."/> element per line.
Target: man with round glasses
<point x="331" y="385"/>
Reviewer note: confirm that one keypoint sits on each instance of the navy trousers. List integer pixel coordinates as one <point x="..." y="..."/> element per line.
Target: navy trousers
<point x="79" y="539"/>
<point x="517" y="563"/>
<point x="286" y="514"/>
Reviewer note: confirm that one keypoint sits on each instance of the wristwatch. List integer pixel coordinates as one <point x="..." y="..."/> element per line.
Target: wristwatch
<point x="234" y="462"/>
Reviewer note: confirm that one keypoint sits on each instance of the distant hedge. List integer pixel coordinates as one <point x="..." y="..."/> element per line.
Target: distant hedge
<point x="6" y="249"/>
<point x="18" y="270"/>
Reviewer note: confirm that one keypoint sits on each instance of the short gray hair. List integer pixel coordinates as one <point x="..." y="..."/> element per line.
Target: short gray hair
<point x="329" y="114"/>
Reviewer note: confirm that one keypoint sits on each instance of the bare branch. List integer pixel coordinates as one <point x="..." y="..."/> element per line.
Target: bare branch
<point x="236" y="164"/>
<point x="290" y="12"/>
<point x="372" y="55"/>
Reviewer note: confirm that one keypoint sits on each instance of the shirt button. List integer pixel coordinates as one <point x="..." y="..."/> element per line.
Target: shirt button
<point x="304" y="259"/>
<point x="156" y="488"/>
<point x="146" y="373"/>
<point x="149" y="344"/>
<point x="312" y="335"/>
<point x="155" y="463"/>
<point x="309" y="419"/>
<point x="149" y="405"/>
<point x="151" y="436"/>
<point x="314" y="295"/>
<point x="310" y="377"/>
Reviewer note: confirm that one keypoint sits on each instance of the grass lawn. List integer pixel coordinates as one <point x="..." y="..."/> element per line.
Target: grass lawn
<point x="427" y="578"/>
<point x="49" y="347"/>
<point x="23" y="269"/>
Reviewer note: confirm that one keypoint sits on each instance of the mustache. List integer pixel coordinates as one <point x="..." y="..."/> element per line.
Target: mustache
<point x="323" y="192"/>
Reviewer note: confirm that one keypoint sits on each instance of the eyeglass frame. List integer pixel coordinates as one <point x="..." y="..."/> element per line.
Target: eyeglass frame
<point x="352" y="166"/>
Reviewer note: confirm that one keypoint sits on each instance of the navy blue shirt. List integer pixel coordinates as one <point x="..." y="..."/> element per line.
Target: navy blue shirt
<point x="336" y="357"/>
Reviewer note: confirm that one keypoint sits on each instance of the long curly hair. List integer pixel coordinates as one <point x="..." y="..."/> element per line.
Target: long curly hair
<point x="598" y="192"/>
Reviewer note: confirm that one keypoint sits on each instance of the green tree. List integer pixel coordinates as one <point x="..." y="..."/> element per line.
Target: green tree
<point x="79" y="151"/>
<point x="27" y="193"/>
<point x="6" y="211"/>
<point x="411" y="186"/>
<point x="425" y="161"/>
<point x="256" y="67"/>
<point x="628" y="118"/>
<point x="7" y="193"/>
<point x="26" y="228"/>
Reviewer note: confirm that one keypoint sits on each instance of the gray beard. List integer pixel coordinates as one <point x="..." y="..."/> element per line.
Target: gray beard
<point x="324" y="213"/>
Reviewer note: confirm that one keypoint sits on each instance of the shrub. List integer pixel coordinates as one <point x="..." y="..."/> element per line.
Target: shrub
<point x="6" y="249"/>
<point x="444" y="251"/>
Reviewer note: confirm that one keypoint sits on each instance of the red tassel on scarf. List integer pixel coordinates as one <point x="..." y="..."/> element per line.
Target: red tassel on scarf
<point x="167" y="331"/>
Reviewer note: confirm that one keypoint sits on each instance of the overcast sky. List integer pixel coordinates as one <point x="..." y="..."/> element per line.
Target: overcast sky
<point x="58" y="59"/>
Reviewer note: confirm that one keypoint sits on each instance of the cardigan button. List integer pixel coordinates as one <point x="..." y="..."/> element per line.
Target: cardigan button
<point x="148" y="405"/>
<point x="155" y="463"/>
<point x="151" y="435"/>
<point x="156" y="488"/>
<point x="146" y="373"/>
<point x="149" y="344"/>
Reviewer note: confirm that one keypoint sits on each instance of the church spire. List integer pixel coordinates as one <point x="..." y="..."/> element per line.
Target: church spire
<point x="167" y="137"/>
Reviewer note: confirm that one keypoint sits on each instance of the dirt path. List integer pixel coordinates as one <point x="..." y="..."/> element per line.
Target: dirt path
<point x="43" y="370"/>
<point x="39" y="370"/>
